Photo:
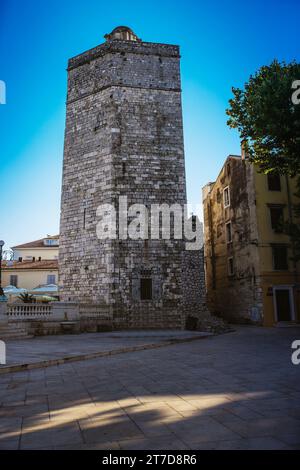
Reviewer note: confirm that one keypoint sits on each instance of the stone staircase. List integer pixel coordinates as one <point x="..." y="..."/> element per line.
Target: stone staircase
<point x="13" y="331"/>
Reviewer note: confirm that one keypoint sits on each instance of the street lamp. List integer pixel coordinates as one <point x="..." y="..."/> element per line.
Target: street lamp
<point x="1" y="247"/>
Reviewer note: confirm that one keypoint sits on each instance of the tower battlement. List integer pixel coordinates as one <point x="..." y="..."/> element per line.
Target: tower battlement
<point x="120" y="46"/>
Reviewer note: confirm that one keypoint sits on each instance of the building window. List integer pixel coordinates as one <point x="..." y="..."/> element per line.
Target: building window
<point x="226" y="197"/>
<point x="51" y="242"/>
<point x="146" y="288"/>
<point x="274" y="183"/>
<point x="230" y="267"/>
<point x="194" y="223"/>
<point x="51" y="279"/>
<point x="280" y="260"/>
<point x="228" y="232"/>
<point x="276" y="215"/>
<point x="13" y="280"/>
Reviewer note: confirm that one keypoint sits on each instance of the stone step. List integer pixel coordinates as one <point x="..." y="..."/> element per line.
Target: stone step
<point x="13" y="331"/>
<point x="6" y="337"/>
<point x="13" y="327"/>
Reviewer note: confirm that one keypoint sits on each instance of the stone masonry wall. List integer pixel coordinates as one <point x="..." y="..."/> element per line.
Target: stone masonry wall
<point x="194" y="290"/>
<point x="123" y="138"/>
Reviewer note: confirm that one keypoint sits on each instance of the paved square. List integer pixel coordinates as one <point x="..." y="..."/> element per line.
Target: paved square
<point x="234" y="391"/>
<point x="56" y="347"/>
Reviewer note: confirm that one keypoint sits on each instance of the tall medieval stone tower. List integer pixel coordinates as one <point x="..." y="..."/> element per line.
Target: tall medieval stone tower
<point x="123" y="137"/>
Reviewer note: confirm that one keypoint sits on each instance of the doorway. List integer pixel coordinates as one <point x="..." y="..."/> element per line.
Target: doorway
<point x="283" y="303"/>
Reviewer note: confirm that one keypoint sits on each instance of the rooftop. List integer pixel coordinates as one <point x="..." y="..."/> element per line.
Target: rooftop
<point x="43" y="264"/>
<point x="39" y="243"/>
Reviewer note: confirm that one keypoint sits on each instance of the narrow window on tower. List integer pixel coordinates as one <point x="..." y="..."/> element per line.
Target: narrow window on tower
<point x="146" y="288"/>
<point x="194" y="223"/>
<point x="84" y="216"/>
<point x="123" y="168"/>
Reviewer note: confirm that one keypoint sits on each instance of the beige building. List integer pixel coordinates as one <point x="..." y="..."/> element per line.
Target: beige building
<point x="34" y="264"/>
<point x="250" y="273"/>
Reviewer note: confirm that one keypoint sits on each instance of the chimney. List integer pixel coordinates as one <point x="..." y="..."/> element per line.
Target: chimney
<point x="243" y="151"/>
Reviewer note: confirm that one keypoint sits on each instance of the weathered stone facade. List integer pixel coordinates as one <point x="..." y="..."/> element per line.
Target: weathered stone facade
<point x="123" y="137"/>
<point x="235" y="296"/>
<point x="250" y="273"/>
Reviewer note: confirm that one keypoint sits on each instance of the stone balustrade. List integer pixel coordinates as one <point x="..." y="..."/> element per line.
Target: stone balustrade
<point x="28" y="311"/>
<point x="55" y="317"/>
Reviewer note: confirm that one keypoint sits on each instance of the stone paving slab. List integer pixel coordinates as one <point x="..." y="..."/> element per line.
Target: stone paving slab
<point x="233" y="391"/>
<point x="53" y="350"/>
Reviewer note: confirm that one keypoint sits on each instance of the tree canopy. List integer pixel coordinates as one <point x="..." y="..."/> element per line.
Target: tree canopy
<point x="267" y="116"/>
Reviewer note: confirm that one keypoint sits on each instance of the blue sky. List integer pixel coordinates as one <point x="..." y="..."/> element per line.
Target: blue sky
<point x="222" y="43"/>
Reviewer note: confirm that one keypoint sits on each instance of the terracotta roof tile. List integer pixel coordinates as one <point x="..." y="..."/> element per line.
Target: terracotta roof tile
<point x="43" y="264"/>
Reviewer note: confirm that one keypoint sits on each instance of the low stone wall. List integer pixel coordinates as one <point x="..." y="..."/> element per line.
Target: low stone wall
<point x="3" y="313"/>
<point x="70" y="317"/>
<point x="95" y="317"/>
<point x="59" y="317"/>
<point x="44" y="319"/>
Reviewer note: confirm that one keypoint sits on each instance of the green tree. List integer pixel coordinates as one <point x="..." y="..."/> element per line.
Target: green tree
<point x="267" y="119"/>
<point x="26" y="298"/>
<point x="267" y="116"/>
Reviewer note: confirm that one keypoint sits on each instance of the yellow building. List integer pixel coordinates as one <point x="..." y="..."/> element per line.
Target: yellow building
<point x="34" y="264"/>
<point x="250" y="272"/>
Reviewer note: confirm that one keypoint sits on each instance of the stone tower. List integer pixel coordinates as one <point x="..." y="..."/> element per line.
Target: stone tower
<point x="123" y="137"/>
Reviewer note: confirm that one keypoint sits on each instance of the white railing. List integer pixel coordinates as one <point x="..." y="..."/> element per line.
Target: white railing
<point x="58" y="311"/>
<point x="28" y="311"/>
